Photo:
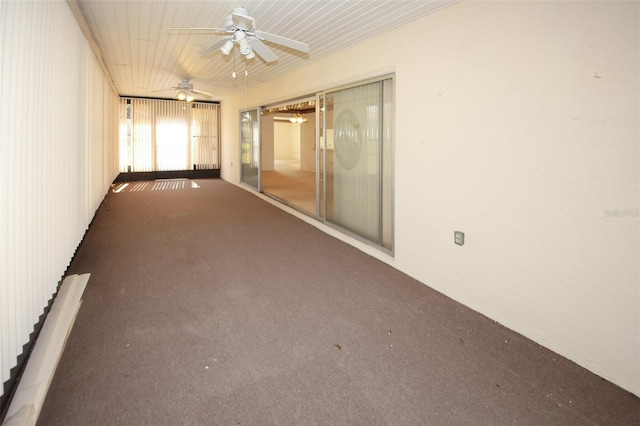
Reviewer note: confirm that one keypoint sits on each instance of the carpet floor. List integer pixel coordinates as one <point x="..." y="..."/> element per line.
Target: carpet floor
<point x="207" y="305"/>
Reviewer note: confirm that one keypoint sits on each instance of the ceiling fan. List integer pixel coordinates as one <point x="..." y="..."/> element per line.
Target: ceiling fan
<point x="241" y="30"/>
<point x="186" y="92"/>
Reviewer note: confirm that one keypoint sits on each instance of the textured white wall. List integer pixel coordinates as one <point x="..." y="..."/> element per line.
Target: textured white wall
<point x="531" y="138"/>
<point x="518" y="124"/>
<point x="283" y="140"/>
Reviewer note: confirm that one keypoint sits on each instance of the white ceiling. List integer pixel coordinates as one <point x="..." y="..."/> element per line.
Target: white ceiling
<point x="142" y="56"/>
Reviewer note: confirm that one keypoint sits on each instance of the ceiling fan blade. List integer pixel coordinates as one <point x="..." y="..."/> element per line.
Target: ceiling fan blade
<point x="215" y="46"/>
<point x="283" y="41"/>
<point x="199" y="92"/>
<point x="166" y="90"/>
<point x="263" y="51"/>
<point x="198" y="29"/>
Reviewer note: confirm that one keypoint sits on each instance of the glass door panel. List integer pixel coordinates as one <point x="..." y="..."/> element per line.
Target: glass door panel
<point x="250" y="147"/>
<point x="290" y="153"/>
<point x="353" y="145"/>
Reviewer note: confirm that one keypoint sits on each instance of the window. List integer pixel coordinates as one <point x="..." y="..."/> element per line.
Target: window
<point x="159" y="135"/>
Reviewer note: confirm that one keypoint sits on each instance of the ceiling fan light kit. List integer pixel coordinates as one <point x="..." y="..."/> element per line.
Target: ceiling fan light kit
<point x="226" y="48"/>
<point x="185" y="96"/>
<point x="245" y="49"/>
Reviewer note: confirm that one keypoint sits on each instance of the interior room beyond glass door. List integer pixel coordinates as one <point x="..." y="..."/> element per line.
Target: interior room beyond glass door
<point x="289" y="153"/>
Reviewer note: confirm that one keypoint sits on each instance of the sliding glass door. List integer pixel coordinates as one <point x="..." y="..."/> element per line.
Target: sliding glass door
<point x="250" y="147"/>
<point x="358" y="173"/>
<point x="335" y="164"/>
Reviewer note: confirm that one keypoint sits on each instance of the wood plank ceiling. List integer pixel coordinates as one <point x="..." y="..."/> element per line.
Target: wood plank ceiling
<point x="141" y="56"/>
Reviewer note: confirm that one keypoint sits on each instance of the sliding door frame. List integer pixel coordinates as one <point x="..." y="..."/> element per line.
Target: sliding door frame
<point x="386" y="114"/>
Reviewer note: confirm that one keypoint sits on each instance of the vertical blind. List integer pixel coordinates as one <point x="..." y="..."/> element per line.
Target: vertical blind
<point x="58" y="151"/>
<point x="160" y="135"/>
<point x="205" y="125"/>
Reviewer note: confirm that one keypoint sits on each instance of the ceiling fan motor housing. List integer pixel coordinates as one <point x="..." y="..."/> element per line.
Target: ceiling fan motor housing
<point x="241" y="19"/>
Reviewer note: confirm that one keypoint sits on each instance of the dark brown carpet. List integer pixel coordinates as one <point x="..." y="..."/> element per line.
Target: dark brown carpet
<point x="210" y="306"/>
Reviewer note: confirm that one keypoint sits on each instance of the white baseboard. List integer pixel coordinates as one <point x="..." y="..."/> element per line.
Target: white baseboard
<point x="41" y="365"/>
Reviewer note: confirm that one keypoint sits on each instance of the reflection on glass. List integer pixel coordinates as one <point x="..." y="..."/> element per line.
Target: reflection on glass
<point x="250" y="148"/>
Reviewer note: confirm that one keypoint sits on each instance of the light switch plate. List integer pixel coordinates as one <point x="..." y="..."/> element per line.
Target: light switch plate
<point x="458" y="238"/>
